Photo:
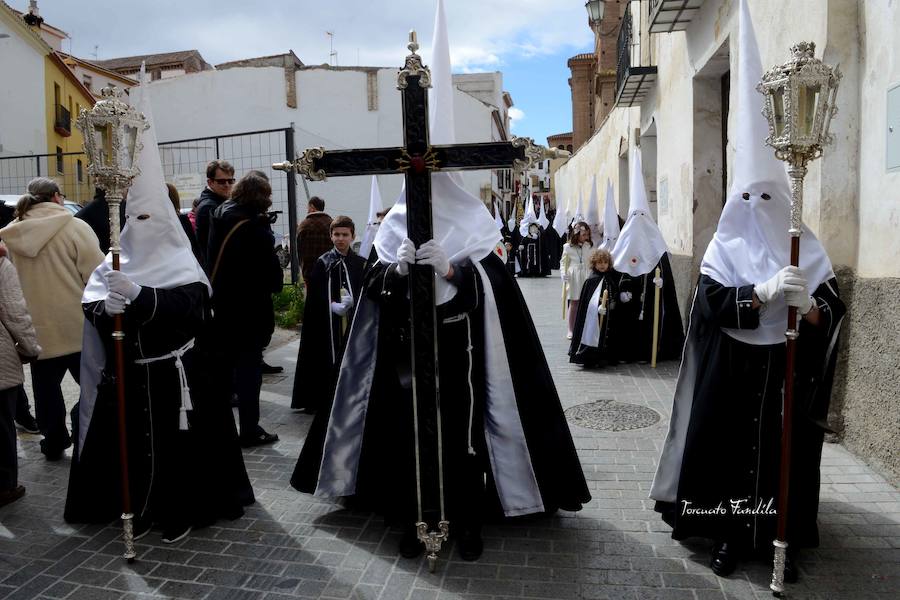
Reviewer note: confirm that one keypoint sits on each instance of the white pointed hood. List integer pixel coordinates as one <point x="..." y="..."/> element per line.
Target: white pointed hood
<point x="592" y="213"/>
<point x="462" y="224"/>
<point x="375" y="206"/>
<point x="529" y="217"/>
<point x="498" y="220"/>
<point x="561" y="220"/>
<point x="640" y="244"/>
<point x="542" y="220"/>
<point x="155" y="251"/>
<point x="751" y="243"/>
<point x="610" y="220"/>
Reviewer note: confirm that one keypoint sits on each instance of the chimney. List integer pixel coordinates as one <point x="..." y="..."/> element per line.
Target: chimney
<point x="33" y="16"/>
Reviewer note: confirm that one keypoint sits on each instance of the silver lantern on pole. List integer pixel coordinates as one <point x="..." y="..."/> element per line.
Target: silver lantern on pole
<point x="799" y="105"/>
<point x="112" y="133"/>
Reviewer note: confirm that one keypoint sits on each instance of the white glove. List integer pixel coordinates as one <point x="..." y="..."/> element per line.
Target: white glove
<point x="796" y="290"/>
<point x="625" y="296"/>
<point x="406" y="255"/>
<point x="430" y="253"/>
<point x="118" y="282"/>
<point x="566" y="277"/>
<point x="601" y="310"/>
<point x="658" y="282"/>
<point x="114" y="304"/>
<point x="769" y="290"/>
<point x="339" y="308"/>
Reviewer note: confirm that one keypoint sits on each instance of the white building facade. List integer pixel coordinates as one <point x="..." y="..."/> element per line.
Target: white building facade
<point x="682" y="122"/>
<point x="331" y="107"/>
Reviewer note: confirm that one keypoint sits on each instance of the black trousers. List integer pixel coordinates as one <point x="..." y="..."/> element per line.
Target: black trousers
<point x="246" y="377"/>
<point x="9" y="467"/>
<point x="22" y="408"/>
<point x="49" y="404"/>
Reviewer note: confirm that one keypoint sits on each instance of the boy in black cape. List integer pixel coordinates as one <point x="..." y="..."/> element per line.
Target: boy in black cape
<point x="331" y="295"/>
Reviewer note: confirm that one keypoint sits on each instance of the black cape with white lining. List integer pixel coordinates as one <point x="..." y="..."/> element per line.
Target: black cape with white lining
<point x="724" y="442"/>
<point x="384" y="472"/>
<point x="323" y="333"/>
<point x="590" y="356"/>
<point x="190" y="477"/>
<point x="635" y="317"/>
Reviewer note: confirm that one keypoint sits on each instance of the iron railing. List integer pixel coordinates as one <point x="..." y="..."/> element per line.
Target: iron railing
<point x="183" y="161"/>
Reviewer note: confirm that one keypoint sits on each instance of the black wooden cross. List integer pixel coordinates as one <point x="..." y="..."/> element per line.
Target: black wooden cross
<point x="417" y="159"/>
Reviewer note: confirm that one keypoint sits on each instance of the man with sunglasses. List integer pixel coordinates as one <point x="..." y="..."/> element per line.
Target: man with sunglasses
<point x="219" y="181"/>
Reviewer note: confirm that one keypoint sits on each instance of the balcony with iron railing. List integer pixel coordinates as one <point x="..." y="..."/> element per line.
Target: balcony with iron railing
<point x="62" y="122"/>
<point x="634" y="79"/>
<point x="667" y="16"/>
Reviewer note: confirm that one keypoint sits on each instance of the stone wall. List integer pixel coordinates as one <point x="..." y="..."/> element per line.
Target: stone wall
<point x="865" y="405"/>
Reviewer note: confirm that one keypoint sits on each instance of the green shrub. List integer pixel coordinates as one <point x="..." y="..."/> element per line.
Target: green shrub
<point x="288" y="305"/>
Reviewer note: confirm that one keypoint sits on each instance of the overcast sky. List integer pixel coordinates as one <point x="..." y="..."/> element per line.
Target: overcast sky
<point x="528" y="40"/>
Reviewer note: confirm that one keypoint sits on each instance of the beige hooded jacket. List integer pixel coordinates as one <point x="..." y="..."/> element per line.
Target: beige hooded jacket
<point x="17" y="336"/>
<point x="55" y="254"/>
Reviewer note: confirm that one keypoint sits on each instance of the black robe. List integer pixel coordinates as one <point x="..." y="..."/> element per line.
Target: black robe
<point x="724" y="443"/>
<point x="385" y="470"/>
<point x="176" y="477"/>
<point x="533" y="259"/>
<point x="511" y="251"/>
<point x="635" y="317"/>
<point x="323" y="333"/>
<point x="553" y="244"/>
<point x="588" y="355"/>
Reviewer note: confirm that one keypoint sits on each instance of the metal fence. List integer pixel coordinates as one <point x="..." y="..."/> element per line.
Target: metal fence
<point x="184" y="164"/>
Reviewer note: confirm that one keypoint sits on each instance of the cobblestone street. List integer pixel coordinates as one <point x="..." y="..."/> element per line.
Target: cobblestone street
<point x="291" y="545"/>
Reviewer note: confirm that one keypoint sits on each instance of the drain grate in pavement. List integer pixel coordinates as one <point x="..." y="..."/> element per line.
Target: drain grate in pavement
<point x="609" y="415"/>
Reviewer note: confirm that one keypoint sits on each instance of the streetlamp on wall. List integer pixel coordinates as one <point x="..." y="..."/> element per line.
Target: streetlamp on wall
<point x="595" y="9"/>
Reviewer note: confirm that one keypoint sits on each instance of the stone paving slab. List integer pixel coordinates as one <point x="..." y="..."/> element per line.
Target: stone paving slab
<point x="291" y="545"/>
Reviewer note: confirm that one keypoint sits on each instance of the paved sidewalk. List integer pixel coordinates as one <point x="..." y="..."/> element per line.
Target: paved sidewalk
<point x="291" y="545"/>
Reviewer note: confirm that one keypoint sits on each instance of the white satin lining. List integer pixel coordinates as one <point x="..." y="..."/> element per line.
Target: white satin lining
<point x="590" y="333"/>
<point x="514" y="476"/>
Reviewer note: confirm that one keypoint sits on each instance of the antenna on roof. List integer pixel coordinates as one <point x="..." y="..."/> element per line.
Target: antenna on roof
<point x="332" y="55"/>
<point x="96" y="51"/>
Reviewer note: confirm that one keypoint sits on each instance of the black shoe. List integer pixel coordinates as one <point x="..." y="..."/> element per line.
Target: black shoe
<point x="268" y="369"/>
<point x="724" y="559"/>
<point x="260" y="439"/>
<point x="175" y="533"/>
<point x="27" y="423"/>
<point x="470" y="543"/>
<point x="410" y="546"/>
<point x="54" y="452"/>
<point x="10" y="496"/>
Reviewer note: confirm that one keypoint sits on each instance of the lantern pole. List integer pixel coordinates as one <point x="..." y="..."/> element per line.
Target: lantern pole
<point x="799" y="106"/>
<point x="112" y="131"/>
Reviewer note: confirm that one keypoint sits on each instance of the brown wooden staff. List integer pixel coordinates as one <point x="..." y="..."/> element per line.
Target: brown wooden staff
<point x="118" y="336"/>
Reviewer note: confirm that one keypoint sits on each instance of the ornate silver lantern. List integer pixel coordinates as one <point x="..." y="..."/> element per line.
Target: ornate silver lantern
<point x="112" y="133"/>
<point x="799" y="104"/>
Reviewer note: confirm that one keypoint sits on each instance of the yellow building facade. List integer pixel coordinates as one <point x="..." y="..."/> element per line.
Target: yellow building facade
<point x="65" y="96"/>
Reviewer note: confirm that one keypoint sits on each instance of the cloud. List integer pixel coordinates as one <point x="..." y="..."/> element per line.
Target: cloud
<point x="484" y="34"/>
<point x="515" y="115"/>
